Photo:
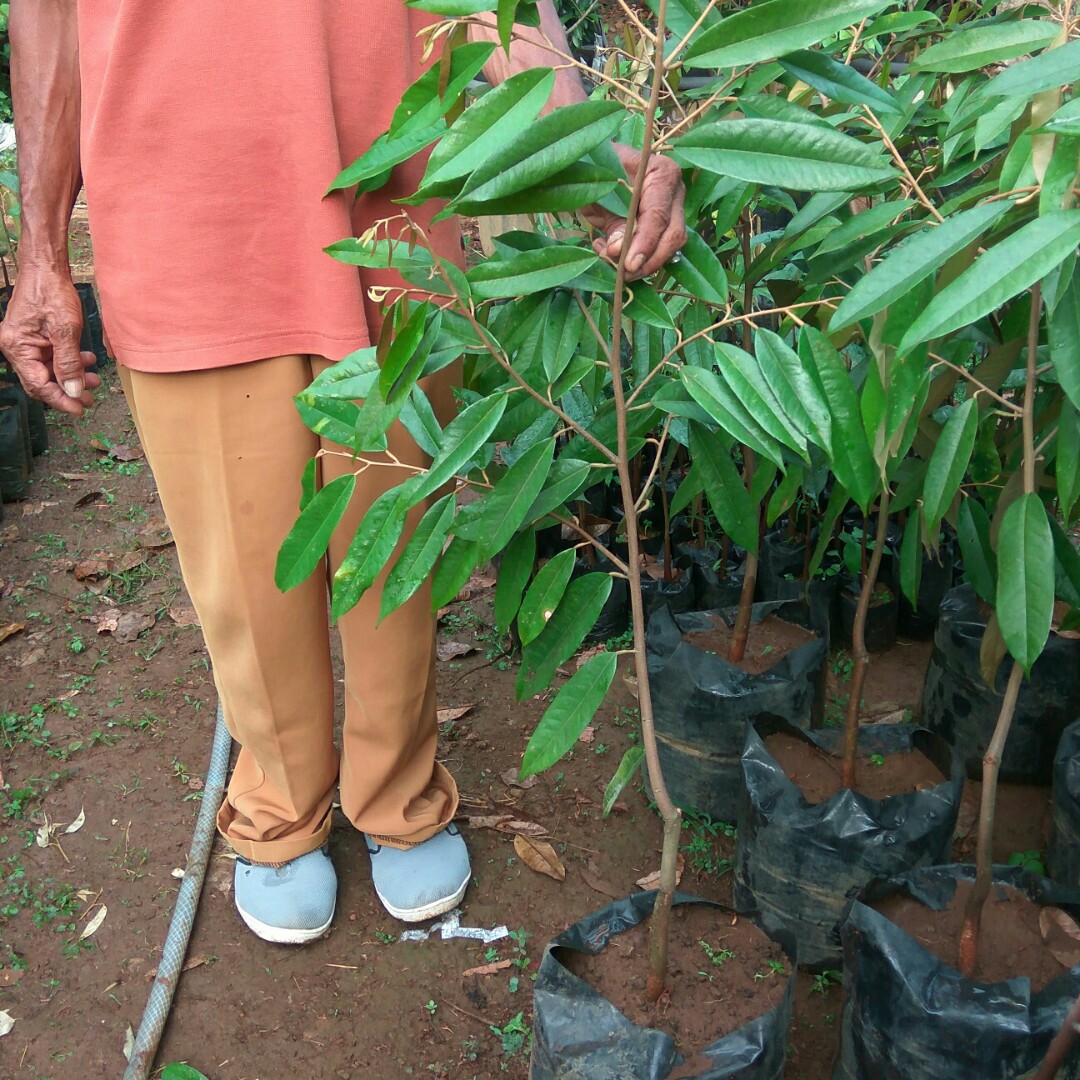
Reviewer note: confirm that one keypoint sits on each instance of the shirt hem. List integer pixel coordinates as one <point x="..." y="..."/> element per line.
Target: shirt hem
<point x="240" y="351"/>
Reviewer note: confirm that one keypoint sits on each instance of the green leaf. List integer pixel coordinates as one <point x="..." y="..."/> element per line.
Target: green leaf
<point x="838" y="501"/>
<point x="308" y="481"/>
<point x="1066" y="121"/>
<point x="381" y="255"/>
<point x="306" y="543"/>
<point x="1006" y="270"/>
<point x="911" y="560"/>
<point x="979" y="46"/>
<point x="796" y="392"/>
<point x="908" y="265"/>
<point x="543" y="148"/>
<point x="563" y="330"/>
<point x="458" y="561"/>
<point x="949" y="462"/>
<point x="850" y="459"/>
<point x="1063" y="332"/>
<point x="418" y="419"/>
<point x="529" y="271"/>
<point x="544" y="595"/>
<point x="575" y="616"/>
<point x="369" y="550"/>
<point x="462" y="438"/>
<point x="714" y="395"/>
<point x="837" y="81"/>
<point x="578" y="185"/>
<point x="1067" y="461"/>
<point x="783" y="154"/>
<point x="372" y="169"/>
<point x="724" y="488"/>
<point x="646" y="306"/>
<point x="631" y="762"/>
<point x="774" y="28"/>
<point x="331" y="419"/>
<point x="505" y="507"/>
<point x="1025" y="594"/>
<point x="569" y="714"/>
<point x="1047" y="71"/>
<point x="973" y="536"/>
<point x="176" y="1070"/>
<point x="866" y="223"/>
<point x="1067" y="570"/>
<point x="515" y="569"/>
<point x="419" y="556"/>
<point x="699" y="271"/>
<point x="568" y="477"/>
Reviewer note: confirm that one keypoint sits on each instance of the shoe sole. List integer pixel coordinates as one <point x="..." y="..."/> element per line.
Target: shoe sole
<point x="281" y="935"/>
<point x="428" y="911"/>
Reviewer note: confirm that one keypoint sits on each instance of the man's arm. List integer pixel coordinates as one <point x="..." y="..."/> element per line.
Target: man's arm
<point x="40" y="334"/>
<point x="661" y="227"/>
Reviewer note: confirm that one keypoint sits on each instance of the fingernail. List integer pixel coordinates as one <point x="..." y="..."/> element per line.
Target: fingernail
<point x="73" y="388"/>
<point x="636" y="262"/>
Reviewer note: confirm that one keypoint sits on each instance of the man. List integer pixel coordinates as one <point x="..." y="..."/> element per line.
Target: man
<point x="205" y="134"/>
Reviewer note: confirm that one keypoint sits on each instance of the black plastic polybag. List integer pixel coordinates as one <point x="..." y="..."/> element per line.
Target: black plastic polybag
<point x="911" y="1017"/>
<point x="93" y="337"/>
<point x="712" y="589"/>
<point x="934" y="582"/>
<point x="879" y="631"/>
<point x="702" y="705"/>
<point x="579" y="1035"/>
<point x="1063" y="849"/>
<point x="15" y="456"/>
<point x="961" y="708"/>
<point x="798" y="864"/>
<point x="677" y="595"/>
<point x="780" y="562"/>
<point x="36" y="435"/>
<point x="614" y="616"/>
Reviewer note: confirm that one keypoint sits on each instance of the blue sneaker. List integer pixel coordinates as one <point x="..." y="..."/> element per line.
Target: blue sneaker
<point x="420" y="882"/>
<point x="288" y="904"/>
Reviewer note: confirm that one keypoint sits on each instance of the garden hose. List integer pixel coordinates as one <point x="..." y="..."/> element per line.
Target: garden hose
<point x="152" y="1024"/>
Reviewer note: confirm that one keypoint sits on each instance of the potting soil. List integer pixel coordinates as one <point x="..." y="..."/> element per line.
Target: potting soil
<point x="578" y="1034"/>
<point x="767" y="643"/>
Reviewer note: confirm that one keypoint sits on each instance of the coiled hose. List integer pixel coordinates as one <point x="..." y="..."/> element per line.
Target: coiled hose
<point x="187" y="903"/>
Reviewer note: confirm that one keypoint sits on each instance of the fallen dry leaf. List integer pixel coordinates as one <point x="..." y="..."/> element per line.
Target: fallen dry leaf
<point x="130" y="561"/>
<point x="33" y="509"/>
<point x="587" y="735"/>
<point x="7" y="1022"/>
<point x="487" y="969"/>
<point x="446" y="716"/>
<point x="448" y="650"/>
<point x="652" y="881"/>
<point x="92" y="568"/>
<point x="481" y="580"/>
<point x="540" y="856"/>
<point x="155" y="534"/>
<point x="586" y="655"/>
<point x="80" y="476"/>
<point x="189" y="965"/>
<point x="94" y="924"/>
<point x="1061" y="934"/>
<point x="129" y="1043"/>
<point x="11" y="532"/>
<point x="44" y="834"/>
<point x="11" y="629"/>
<point x="89" y="497"/>
<point x="513" y="779"/>
<point x="600" y="885"/>
<point x="125" y="452"/>
<point x="184" y="615"/>
<point x="78" y="823"/>
<point x="124" y="626"/>
<point x="507" y="823"/>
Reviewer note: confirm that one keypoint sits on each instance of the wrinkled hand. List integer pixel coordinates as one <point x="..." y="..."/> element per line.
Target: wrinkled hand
<point x="661" y="227"/>
<point x="40" y="338"/>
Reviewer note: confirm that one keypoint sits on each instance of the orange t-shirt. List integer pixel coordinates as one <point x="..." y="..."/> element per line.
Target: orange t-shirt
<point x="210" y="131"/>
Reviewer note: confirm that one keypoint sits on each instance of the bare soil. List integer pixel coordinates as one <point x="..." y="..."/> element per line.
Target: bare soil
<point x="817" y="774"/>
<point x="723" y="976"/>
<point x="767" y="643"/>
<point x="1012" y="941"/>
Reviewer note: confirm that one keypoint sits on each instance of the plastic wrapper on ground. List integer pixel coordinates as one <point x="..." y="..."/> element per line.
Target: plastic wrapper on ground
<point x="959" y="706"/>
<point x="579" y="1035"/>
<point x="911" y="1017"/>
<point x="798" y="864"/>
<point x="703" y="704"/>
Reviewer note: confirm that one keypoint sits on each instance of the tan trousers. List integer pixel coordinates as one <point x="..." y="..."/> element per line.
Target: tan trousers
<point x="227" y="448"/>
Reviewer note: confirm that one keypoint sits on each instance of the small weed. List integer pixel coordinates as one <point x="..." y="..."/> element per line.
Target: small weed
<point x="430" y="1006"/>
<point x="717" y="957"/>
<point x="620" y="643"/>
<point x="842" y="666"/>
<point x="776" y="967"/>
<point x="1032" y="861"/>
<point x="877" y="760"/>
<point x="75" y="644"/>
<point x="385" y="938"/>
<point x="515" y="1036"/>
<point x="701" y="850"/>
<point x="824" y="982"/>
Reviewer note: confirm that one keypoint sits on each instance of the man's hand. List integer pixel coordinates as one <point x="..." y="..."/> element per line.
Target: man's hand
<point x="40" y="338"/>
<point x="661" y="228"/>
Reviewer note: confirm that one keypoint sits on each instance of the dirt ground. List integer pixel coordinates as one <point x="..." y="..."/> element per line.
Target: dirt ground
<point x="106" y="716"/>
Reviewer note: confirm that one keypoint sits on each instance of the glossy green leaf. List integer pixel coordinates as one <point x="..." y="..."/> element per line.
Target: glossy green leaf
<point x="774" y="28"/>
<point x="505" y="507"/>
<point x="973" y="536"/>
<point x="837" y="504"/>
<point x="1025" y="591"/>
<point x="372" y="169"/>
<point x="837" y="81"/>
<point x="850" y="458"/>
<point x="418" y="557"/>
<point x="177" y="1070"/>
<point x="304" y="547"/>
<point x="529" y="271"/>
<point x="1067" y="461"/>
<point x="795" y="390"/>
<point x="579" y="184"/>
<point x="308" y="482"/>
<point x="568" y="478"/>
<point x="949" y="462"/>
<point x="575" y="616"/>
<point x="331" y="419"/>
<point x="568" y="715"/>
<point x="1005" y="271"/>
<point x="462" y="438"/>
<point x="371" y="547"/>
<point x="906" y="266"/>
<point x="1066" y="121"/>
<point x="868" y="222"/>
<point x="699" y="272"/>
<point x="564" y="329"/>
<point x="408" y="353"/>
<point x="978" y="46"/>
<point x="714" y="395"/>
<point x="418" y="419"/>
<point x="647" y="306"/>
<point x="515" y="569"/>
<point x="458" y="561"/>
<point x="631" y="762"/>
<point x="724" y="488"/>
<point x="381" y="255"/>
<point x="1047" y="71"/>
<point x="1063" y="333"/>
<point x="543" y="148"/>
<point x="544" y="595"/>
<point x="782" y="153"/>
<point x="1067" y="568"/>
<point x="911" y="560"/>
